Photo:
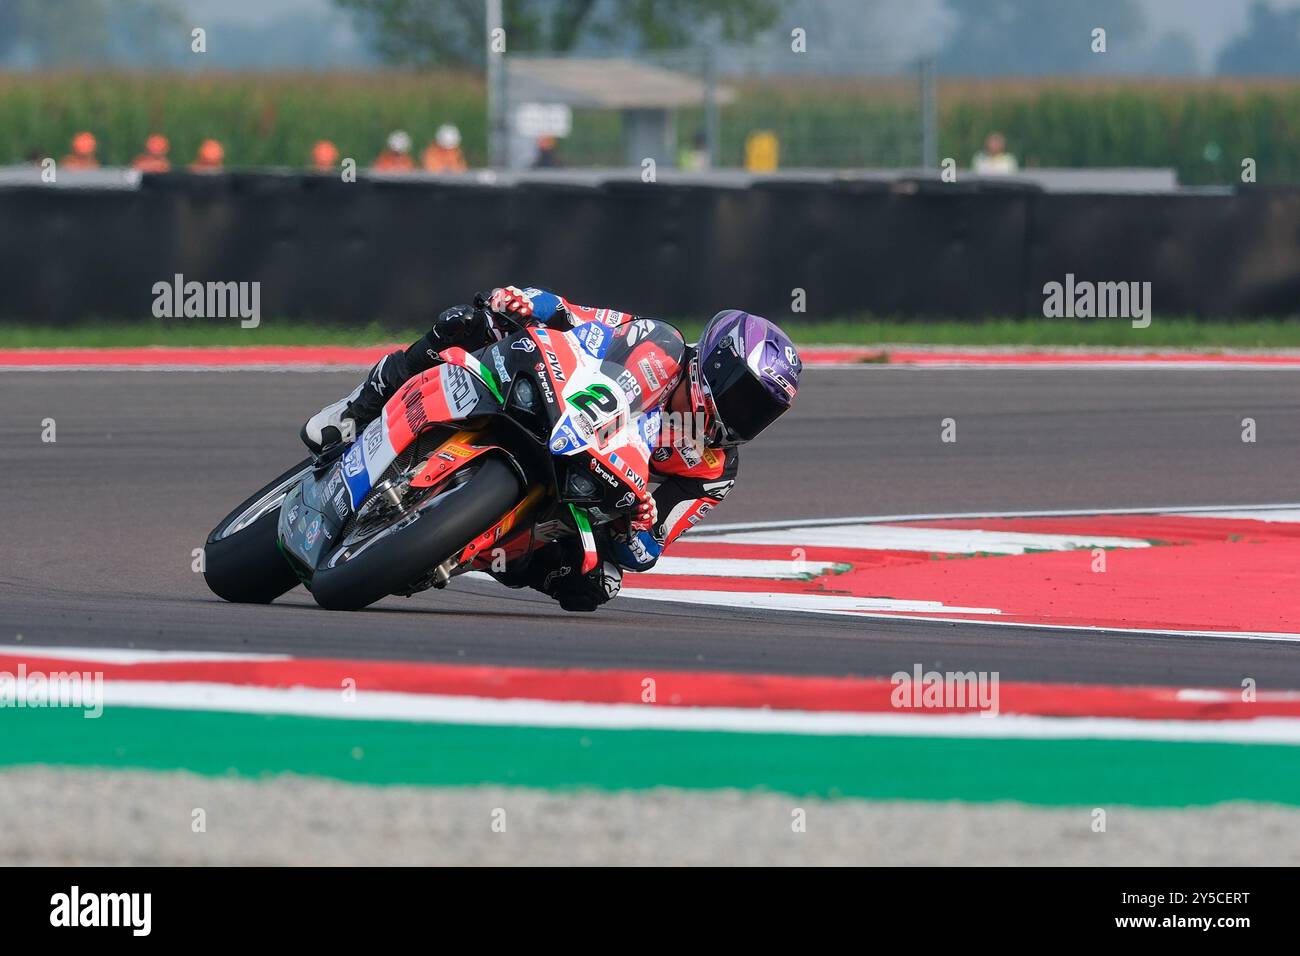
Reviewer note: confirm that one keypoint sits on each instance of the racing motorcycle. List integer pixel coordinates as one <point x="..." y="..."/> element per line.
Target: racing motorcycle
<point x="473" y="464"/>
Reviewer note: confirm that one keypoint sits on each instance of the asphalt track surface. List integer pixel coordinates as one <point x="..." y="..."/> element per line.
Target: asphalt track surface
<point x="99" y="527"/>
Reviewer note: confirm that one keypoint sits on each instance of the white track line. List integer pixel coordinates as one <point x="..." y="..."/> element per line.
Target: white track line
<point x="1271" y="515"/>
<point x="817" y="603"/>
<point x="113" y="655"/>
<point x="741" y="567"/>
<point x="1167" y="510"/>
<point x="445" y="709"/>
<point x="893" y="537"/>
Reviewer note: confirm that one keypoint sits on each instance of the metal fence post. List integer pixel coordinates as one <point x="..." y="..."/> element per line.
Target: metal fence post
<point x="929" y="116"/>
<point x="497" y="158"/>
<point x="711" y="121"/>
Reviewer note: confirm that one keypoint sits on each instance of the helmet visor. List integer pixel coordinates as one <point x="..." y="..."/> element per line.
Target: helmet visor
<point x="744" y="405"/>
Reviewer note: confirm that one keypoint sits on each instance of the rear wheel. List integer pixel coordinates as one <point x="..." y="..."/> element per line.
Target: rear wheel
<point x="242" y="561"/>
<point x="394" y="550"/>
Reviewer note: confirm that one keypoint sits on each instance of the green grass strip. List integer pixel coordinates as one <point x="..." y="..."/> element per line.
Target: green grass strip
<point x="1048" y="772"/>
<point x="1163" y="333"/>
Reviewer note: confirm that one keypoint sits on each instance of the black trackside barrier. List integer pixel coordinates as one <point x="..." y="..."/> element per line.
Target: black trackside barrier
<point x="1204" y="255"/>
<point x="399" y="251"/>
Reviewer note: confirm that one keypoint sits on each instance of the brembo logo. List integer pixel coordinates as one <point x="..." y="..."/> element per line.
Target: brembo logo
<point x="603" y="474"/>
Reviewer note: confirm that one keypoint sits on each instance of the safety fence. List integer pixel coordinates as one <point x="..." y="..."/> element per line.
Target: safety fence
<point x="396" y="251"/>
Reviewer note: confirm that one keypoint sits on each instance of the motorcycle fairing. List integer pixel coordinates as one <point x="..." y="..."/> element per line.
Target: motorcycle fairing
<point x="445" y="393"/>
<point x="312" y="514"/>
<point x="595" y="338"/>
<point x="454" y="453"/>
<point x="600" y="418"/>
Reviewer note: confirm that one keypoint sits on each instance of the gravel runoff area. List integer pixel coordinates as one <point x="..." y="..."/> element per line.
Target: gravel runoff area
<point x="79" y="817"/>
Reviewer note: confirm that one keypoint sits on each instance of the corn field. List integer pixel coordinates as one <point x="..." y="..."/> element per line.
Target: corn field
<point x="1203" y="128"/>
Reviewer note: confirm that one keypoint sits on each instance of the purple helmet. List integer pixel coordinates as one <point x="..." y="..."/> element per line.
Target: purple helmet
<point x="748" y="374"/>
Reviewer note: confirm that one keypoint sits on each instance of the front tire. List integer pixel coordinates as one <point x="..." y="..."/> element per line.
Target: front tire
<point x="404" y="556"/>
<point x="242" y="561"/>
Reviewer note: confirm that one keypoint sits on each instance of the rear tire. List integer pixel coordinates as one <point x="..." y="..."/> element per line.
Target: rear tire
<point x="247" y="567"/>
<point x="405" y="556"/>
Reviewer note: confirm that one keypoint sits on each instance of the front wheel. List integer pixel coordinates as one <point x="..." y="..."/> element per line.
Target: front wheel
<point x="242" y="561"/>
<point x="375" y="560"/>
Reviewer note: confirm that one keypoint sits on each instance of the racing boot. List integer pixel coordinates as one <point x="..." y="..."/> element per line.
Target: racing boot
<point x="463" y="326"/>
<point x="343" y="420"/>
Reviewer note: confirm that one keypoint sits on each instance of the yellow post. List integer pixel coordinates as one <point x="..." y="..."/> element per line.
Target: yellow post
<point x="762" y="152"/>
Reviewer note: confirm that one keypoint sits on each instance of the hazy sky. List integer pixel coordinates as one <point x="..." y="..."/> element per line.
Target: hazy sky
<point x="913" y="27"/>
<point x="1209" y="24"/>
<point x="904" y="28"/>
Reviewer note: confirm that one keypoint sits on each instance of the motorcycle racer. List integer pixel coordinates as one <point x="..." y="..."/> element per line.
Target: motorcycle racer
<point x="740" y="376"/>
